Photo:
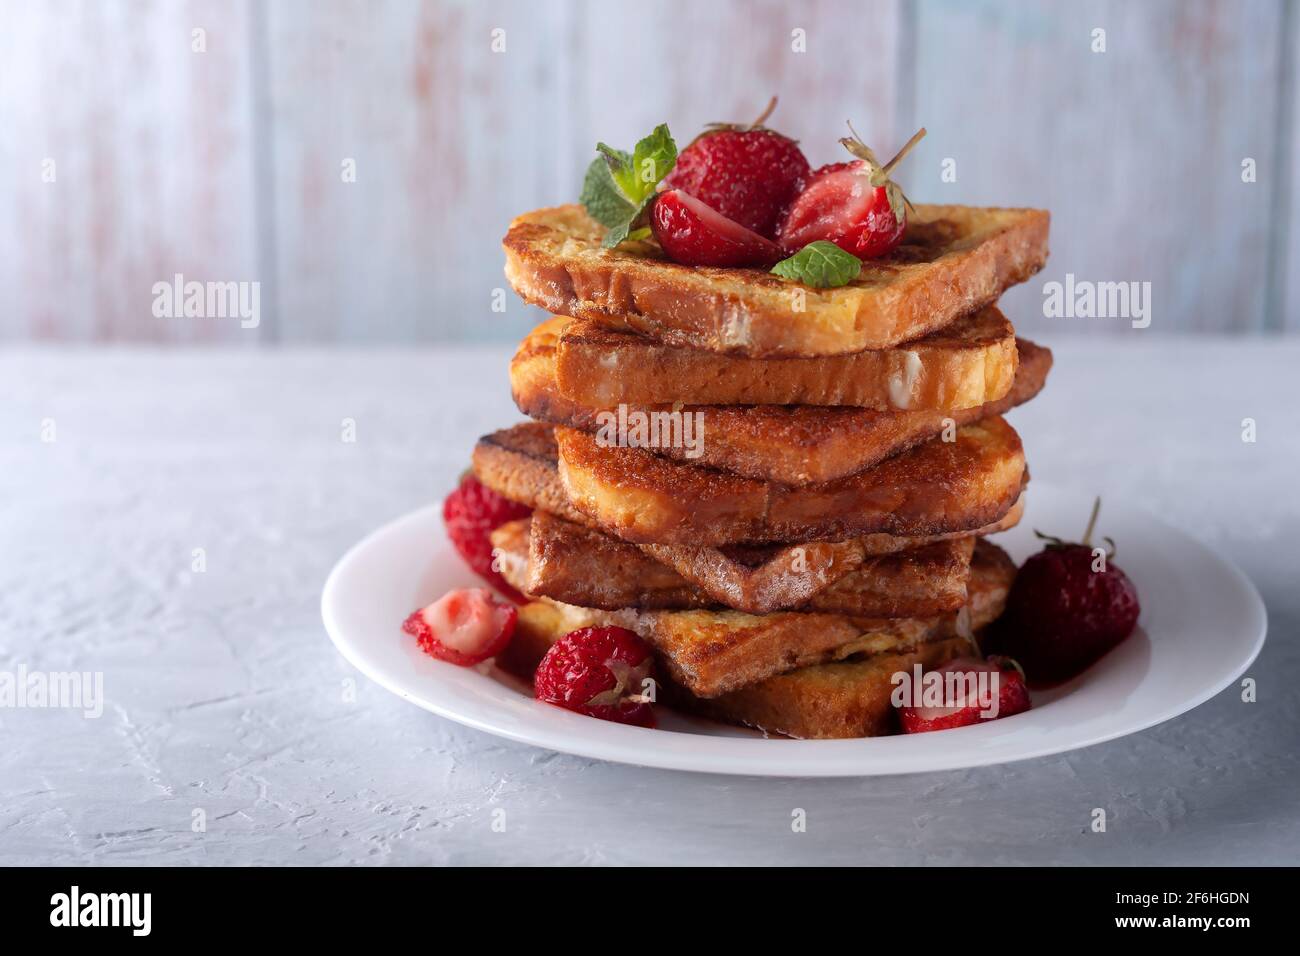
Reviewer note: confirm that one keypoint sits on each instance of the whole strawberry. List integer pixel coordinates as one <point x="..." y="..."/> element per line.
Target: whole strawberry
<point x="1067" y="608"/>
<point x="471" y="513"/>
<point x="600" y="672"/>
<point x="748" y="174"/>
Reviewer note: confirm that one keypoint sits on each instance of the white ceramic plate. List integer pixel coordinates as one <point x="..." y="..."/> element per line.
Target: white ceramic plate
<point x="1202" y="625"/>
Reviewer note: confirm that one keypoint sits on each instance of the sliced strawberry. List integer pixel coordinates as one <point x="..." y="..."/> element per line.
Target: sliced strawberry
<point x="471" y="513"/>
<point x="694" y="234"/>
<point x="854" y="205"/>
<point x="840" y="205"/>
<point x="962" y="690"/>
<point x="463" y="627"/>
<point x="600" y="672"/>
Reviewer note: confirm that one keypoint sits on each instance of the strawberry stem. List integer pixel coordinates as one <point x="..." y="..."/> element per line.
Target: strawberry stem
<point x="771" y="105"/>
<point x="907" y="148"/>
<point x="737" y="127"/>
<point x="1092" y="522"/>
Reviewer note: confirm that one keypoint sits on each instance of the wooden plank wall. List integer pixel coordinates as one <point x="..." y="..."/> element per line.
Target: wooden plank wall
<point x="152" y="147"/>
<point x="231" y="164"/>
<point x="1137" y="151"/>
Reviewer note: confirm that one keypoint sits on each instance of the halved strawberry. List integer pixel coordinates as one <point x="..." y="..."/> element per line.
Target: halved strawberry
<point x="854" y="205"/>
<point x="962" y="688"/>
<point x="463" y="627"/>
<point x="695" y="234"/>
<point x="840" y="205"/>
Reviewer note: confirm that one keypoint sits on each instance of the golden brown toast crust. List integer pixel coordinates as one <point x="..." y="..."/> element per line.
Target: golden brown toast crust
<point x="546" y="556"/>
<point x="966" y="364"/>
<point x="953" y="260"/>
<point x="521" y="463"/>
<point x="718" y="653"/>
<point x="790" y="444"/>
<point x="934" y="488"/>
<point x="711" y="653"/>
<point x="510" y="552"/>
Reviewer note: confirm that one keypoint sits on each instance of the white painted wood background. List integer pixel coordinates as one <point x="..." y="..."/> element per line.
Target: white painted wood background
<point x="226" y="164"/>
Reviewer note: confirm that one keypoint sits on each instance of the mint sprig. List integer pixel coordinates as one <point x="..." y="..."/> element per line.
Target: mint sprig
<point x="619" y="188"/>
<point x="820" y="264"/>
<point x="604" y="202"/>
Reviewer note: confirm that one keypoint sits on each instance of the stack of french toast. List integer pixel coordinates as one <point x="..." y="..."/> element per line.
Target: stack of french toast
<point x="787" y="491"/>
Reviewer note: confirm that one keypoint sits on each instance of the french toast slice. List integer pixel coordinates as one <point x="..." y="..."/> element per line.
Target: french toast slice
<point x="937" y="487"/>
<point x="832" y="701"/>
<point x="521" y="463"/>
<point x="914" y="583"/>
<point x="851" y="698"/>
<point x="953" y="260"/>
<point x="964" y="365"/>
<point x="546" y="556"/>
<point x="775" y="576"/>
<point x="719" y="655"/>
<point x="791" y="444"/>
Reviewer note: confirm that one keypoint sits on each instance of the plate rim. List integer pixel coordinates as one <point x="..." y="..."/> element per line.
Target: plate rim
<point x="819" y="758"/>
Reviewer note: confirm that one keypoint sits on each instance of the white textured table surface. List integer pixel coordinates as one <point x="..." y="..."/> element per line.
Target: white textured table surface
<point x="223" y="694"/>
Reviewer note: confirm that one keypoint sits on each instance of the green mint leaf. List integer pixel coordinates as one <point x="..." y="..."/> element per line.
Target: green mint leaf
<point x="820" y="264"/>
<point x="652" y="159"/>
<point x="621" y="172"/>
<point x="631" y="227"/>
<point x="616" y="234"/>
<point x="604" y="202"/>
<point x="619" y="187"/>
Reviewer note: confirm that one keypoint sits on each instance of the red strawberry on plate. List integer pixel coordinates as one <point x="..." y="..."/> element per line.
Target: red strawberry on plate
<point x="1069" y="605"/>
<point x="975" y="692"/>
<point x="748" y="174"/>
<point x="471" y="513"/>
<point x="854" y="205"/>
<point x="695" y="235"/>
<point x="463" y="627"/>
<point x="600" y="672"/>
